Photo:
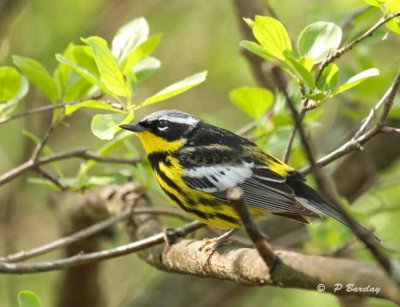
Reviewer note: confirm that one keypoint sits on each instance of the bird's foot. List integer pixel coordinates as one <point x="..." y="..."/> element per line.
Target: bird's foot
<point x="210" y="246"/>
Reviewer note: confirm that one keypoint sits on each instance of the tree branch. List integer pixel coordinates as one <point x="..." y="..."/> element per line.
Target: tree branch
<point x="233" y="262"/>
<point x="230" y="262"/>
<point x="87" y="232"/>
<point x="78" y="153"/>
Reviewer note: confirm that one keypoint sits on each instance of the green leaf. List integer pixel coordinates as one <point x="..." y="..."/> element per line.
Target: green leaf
<point x="8" y="107"/>
<point x="356" y="80"/>
<point x="28" y="298"/>
<point x="104" y="126"/>
<point x="329" y="78"/>
<point x="249" y="22"/>
<point x="258" y="50"/>
<point x="319" y="39"/>
<point x="107" y="65"/>
<point x="376" y="3"/>
<point x="317" y="96"/>
<point x="83" y="56"/>
<point x="129" y="37"/>
<point x="92" y="104"/>
<point x="307" y="62"/>
<point x="72" y="85"/>
<point x="146" y="67"/>
<point x="38" y="75"/>
<point x="82" y="71"/>
<point x="142" y="51"/>
<point x="254" y="101"/>
<point x="176" y="88"/>
<point x="394" y="25"/>
<point x="272" y="36"/>
<point x="300" y="71"/>
<point x="10" y="83"/>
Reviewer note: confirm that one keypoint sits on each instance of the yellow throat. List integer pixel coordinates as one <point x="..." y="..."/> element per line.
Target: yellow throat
<point x="153" y="143"/>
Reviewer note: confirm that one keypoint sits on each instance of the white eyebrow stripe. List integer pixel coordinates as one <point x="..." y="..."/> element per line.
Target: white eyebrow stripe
<point x="190" y="121"/>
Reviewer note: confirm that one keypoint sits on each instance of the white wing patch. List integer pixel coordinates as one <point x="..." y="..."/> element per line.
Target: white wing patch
<point x="217" y="178"/>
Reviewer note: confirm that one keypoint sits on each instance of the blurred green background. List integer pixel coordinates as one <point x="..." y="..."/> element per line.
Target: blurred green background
<point x="197" y="36"/>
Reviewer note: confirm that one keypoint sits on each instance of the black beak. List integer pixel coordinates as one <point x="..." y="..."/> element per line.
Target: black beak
<point x="134" y="128"/>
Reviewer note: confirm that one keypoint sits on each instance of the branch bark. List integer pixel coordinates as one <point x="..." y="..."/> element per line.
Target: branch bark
<point x="243" y="265"/>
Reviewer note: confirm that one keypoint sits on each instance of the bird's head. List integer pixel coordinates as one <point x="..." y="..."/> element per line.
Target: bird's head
<point x="163" y="131"/>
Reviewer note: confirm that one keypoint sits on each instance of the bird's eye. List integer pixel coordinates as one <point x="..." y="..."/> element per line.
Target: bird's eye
<point x="162" y="125"/>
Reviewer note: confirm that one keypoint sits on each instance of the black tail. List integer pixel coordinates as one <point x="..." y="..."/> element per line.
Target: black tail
<point x="301" y="189"/>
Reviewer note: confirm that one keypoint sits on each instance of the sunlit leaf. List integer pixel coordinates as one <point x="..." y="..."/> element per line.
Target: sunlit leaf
<point x="82" y="71"/>
<point x="10" y="83"/>
<point x="258" y="50"/>
<point x="373" y="2"/>
<point x="92" y="104"/>
<point x="28" y="298"/>
<point x="83" y="56"/>
<point x="300" y="71"/>
<point x="146" y="67"/>
<point x="176" y="88"/>
<point x="129" y="37"/>
<point x="38" y="75"/>
<point x="319" y="39"/>
<point x="107" y="65"/>
<point x="254" y="101"/>
<point x="307" y="62"/>
<point x="8" y="107"/>
<point x="272" y="36"/>
<point x="329" y="77"/>
<point x="317" y="96"/>
<point x="249" y="22"/>
<point x="70" y="85"/>
<point x="356" y="80"/>
<point x="142" y="51"/>
<point x="104" y="126"/>
<point x="262" y="53"/>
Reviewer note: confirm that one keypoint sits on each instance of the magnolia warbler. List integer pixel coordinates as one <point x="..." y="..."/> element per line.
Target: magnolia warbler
<point x="195" y="163"/>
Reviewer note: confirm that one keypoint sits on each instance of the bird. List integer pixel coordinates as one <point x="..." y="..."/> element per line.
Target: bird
<point x="196" y="163"/>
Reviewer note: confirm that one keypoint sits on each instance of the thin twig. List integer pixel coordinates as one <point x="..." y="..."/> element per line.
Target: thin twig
<point x="51" y="178"/>
<point x="296" y="117"/>
<point x="78" y="153"/>
<point x="235" y="196"/>
<point x="390" y="130"/>
<point x="39" y="147"/>
<point x="362" y="234"/>
<point x="45" y="108"/>
<point x="89" y="231"/>
<point x="356" y="143"/>
<point x="81" y="259"/>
